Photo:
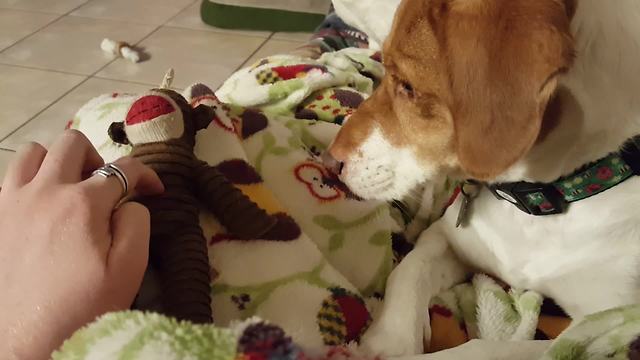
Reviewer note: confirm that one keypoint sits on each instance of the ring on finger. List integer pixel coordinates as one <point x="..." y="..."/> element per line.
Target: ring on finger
<point x="109" y="170"/>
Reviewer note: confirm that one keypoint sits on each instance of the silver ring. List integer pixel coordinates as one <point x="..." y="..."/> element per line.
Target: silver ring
<point x="109" y="170"/>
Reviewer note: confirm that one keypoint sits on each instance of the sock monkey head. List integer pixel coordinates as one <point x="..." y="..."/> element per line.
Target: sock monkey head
<point x="159" y="116"/>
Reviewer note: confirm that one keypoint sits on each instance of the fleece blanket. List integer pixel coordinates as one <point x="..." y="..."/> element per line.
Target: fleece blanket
<point x="136" y="335"/>
<point x="331" y="251"/>
<point x="485" y="309"/>
<point x="613" y="334"/>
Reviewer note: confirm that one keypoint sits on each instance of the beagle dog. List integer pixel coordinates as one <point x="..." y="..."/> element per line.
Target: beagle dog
<point x="538" y="102"/>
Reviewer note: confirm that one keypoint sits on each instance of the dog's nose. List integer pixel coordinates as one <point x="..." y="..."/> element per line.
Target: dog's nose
<point x="331" y="163"/>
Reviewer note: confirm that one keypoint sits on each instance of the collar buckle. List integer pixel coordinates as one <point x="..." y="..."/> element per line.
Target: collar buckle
<point x="631" y="154"/>
<point x="533" y="199"/>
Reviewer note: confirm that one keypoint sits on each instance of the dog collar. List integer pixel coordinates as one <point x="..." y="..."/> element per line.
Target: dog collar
<point x="554" y="198"/>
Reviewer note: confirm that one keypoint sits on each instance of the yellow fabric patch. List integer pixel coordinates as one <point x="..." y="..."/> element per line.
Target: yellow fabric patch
<point x="263" y="197"/>
<point x="552" y="326"/>
<point x="445" y="333"/>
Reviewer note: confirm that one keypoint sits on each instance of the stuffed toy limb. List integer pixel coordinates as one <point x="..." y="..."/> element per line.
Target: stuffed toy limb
<point x="161" y="127"/>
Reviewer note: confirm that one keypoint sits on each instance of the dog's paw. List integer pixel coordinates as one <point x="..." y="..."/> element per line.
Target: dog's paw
<point x="390" y="341"/>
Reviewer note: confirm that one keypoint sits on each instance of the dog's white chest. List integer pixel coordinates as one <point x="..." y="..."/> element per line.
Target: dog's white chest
<point x="587" y="259"/>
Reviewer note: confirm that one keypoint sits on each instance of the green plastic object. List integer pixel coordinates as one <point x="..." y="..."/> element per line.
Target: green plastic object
<point x="258" y="18"/>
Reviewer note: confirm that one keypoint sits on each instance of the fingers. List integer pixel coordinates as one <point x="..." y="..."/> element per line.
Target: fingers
<point x="141" y="179"/>
<point x="71" y="156"/>
<point x="25" y="165"/>
<point x="129" y="253"/>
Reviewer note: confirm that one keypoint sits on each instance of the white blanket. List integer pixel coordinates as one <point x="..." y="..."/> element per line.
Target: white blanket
<point x="373" y="17"/>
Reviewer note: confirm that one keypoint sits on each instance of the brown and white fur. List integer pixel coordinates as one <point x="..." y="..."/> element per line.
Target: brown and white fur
<point x="503" y="90"/>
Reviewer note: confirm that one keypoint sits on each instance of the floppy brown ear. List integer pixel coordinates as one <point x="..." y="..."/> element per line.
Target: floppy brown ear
<point x="202" y="116"/>
<point x="504" y="63"/>
<point x="117" y="134"/>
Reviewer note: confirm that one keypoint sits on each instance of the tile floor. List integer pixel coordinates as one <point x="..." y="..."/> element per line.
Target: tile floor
<point x="51" y="62"/>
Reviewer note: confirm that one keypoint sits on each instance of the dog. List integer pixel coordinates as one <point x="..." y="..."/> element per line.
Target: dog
<point x="516" y="95"/>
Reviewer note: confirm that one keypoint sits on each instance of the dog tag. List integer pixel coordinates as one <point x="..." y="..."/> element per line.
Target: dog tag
<point x="464" y="210"/>
<point x="467" y="199"/>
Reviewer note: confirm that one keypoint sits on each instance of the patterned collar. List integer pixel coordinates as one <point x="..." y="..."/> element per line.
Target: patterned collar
<point x="554" y="198"/>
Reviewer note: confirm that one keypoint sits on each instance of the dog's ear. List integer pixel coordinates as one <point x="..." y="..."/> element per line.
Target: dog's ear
<point x="202" y="116"/>
<point x="504" y="62"/>
<point x="117" y="134"/>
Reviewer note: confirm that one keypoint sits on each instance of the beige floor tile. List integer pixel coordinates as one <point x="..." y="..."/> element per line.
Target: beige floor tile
<point x="196" y="56"/>
<point x="190" y="18"/>
<point x="273" y="47"/>
<point x="153" y="12"/>
<point x="50" y="6"/>
<point x="72" y="44"/>
<point x="29" y="92"/>
<point x="5" y="157"/>
<point x="293" y="36"/>
<point x="46" y="126"/>
<point x="16" y="24"/>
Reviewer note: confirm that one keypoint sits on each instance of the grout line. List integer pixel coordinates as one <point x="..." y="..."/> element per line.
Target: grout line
<point x="74" y="87"/>
<point x="77" y="7"/>
<point x="3" y="7"/>
<point x="31" y="33"/>
<point x="5" y="149"/>
<point x="123" y="21"/>
<point x="179" y="12"/>
<point x="54" y="102"/>
<point x="212" y="28"/>
<point x="42" y="69"/>
<point x="137" y="43"/>
<point x="135" y="22"/>
<point x="163" y="25"/>
<point x="92" y="75"/>
<point x="253" y="53"/>
<point x="65" y="93"/>
<point x="86" y="77"/>
<point x="60" y="16"/>
<point x="124" y="81"/>
<point x="155" y="30"/>
<point x="43" y="109"/>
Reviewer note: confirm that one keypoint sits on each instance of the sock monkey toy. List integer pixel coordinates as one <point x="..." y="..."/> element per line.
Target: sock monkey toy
<point x="161" y="127"/>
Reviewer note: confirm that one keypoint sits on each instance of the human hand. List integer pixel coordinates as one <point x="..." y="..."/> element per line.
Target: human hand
<point x="68" y="253"/>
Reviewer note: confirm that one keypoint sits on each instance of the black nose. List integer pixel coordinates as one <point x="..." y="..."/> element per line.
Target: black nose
<point x="331" y="163"/>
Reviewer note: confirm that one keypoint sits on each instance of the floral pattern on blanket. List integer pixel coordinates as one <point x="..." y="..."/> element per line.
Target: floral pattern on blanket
<point x="330" y="250"/>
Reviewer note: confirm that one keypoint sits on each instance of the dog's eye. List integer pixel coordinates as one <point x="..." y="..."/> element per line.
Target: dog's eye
<point x="406" y="88"/>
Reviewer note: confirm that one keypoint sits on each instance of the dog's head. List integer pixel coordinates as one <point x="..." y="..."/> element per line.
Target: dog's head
<point x="465" y="90"/>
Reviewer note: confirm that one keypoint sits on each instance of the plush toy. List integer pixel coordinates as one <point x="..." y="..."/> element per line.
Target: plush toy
<point x="161" y="127"/>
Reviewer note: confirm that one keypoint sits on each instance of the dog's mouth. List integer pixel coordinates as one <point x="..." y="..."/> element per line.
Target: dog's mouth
<point x="369" y="179"/>
<point x="383" y="177"/>
<point x="378" y="170"/>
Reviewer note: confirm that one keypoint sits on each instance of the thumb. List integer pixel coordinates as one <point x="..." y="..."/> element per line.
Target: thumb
<point x="129" y="253"/>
